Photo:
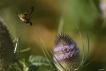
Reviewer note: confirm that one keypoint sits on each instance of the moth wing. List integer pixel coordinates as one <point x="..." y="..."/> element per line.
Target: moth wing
<point x="29" y="12"/>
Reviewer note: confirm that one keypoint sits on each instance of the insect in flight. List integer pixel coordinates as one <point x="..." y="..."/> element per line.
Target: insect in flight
<point x="26" y="16"/>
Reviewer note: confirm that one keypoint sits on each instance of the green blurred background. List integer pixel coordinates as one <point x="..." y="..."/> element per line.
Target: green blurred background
<point x="46" y="18"/>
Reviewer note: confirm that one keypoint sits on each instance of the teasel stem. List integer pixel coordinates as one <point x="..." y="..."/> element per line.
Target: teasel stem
<point x="43" y="49"/>
<point x="61" y="24"/>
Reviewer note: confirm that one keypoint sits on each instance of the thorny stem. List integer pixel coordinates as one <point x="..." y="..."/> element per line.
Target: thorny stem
<point x="39" y="39"/>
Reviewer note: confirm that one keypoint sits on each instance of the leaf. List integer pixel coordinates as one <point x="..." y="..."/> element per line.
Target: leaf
<point x="36" y="61"/>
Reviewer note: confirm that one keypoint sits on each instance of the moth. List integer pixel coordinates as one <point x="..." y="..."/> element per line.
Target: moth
<point x="26" y="16"/>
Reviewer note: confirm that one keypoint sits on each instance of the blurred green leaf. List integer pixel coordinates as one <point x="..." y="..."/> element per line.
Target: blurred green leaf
<point x="36" y="61"/>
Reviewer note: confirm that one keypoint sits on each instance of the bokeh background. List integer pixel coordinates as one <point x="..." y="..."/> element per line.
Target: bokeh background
<point x="51" y="15"/>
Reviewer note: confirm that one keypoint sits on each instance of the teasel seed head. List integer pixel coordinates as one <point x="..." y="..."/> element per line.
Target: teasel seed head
<point x="66" y="53"/>
<point x="6" y="47"/>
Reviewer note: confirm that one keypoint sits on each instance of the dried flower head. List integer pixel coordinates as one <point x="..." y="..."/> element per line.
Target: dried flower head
<point x="6" y="47"/>
<point x="66" y="53"/>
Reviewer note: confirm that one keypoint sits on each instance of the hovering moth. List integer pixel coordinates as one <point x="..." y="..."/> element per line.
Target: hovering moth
<point x="26" y="16"/>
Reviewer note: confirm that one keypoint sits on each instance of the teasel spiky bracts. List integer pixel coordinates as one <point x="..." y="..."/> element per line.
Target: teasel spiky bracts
<point x="7" y="47"/>
<point x="66" y="53"/>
